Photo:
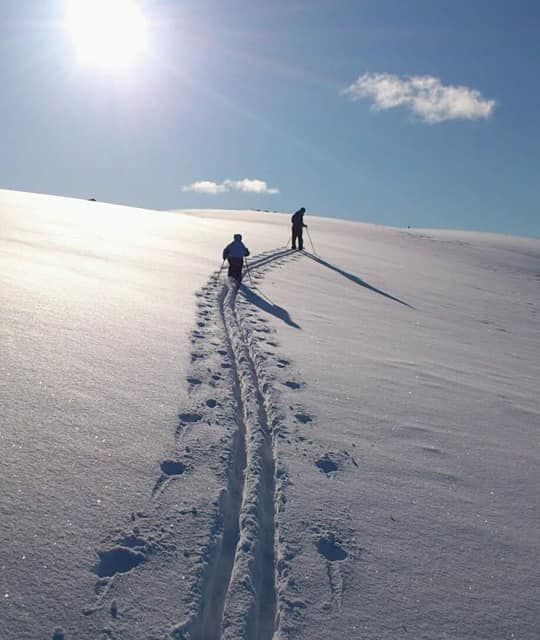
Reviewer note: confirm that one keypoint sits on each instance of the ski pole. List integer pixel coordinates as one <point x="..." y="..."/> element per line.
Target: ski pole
<point x="248" y="271"/>
<point x="309" y="236"/>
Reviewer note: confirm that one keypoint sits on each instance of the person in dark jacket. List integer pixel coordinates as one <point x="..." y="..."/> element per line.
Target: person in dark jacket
<point x="297" y="228"/>
<point x="234" y="253"/>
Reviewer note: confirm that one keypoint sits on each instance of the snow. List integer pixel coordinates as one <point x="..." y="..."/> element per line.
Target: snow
<point x="347" y="447"/>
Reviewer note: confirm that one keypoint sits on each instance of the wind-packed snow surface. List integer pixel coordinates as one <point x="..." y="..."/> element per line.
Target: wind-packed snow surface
<point x="345" y="447"/>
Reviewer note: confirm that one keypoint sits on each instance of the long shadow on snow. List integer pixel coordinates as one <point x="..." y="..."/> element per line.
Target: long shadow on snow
<point x="355" y="279"/>
<point x="266" y="259"/>
<point x="268" y="306"/>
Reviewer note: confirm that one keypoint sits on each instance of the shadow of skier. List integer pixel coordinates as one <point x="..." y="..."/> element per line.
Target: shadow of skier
<point x="355" y="279"/>
<point x="262" y="260"/>
<point x="265" y="304"/>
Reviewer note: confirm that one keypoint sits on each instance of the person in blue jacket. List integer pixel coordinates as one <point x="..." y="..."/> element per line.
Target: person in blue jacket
<point x="234" y="253"/>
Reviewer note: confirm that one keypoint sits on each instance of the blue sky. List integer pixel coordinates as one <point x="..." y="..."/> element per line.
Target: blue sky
<point x="243" y="95"/>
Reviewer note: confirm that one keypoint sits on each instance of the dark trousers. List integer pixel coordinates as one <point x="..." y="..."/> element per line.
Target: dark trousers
<point x="235" y="268"/>
<point x="297" y="235"/>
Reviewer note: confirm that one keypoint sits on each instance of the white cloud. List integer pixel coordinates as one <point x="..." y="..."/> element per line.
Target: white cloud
<point x="205" y="186"/>
<point x="248" y="185"/>
<point x="424" y="95"/>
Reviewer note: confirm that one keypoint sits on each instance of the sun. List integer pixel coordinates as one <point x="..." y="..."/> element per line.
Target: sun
<point x="107" y="33"/>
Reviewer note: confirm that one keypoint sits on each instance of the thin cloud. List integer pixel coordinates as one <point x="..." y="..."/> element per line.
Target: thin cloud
<point x="205" y="186"/>
<point x="247" y="185"/>
<point x="250" y="186"/>
<point x="426" y="96"/>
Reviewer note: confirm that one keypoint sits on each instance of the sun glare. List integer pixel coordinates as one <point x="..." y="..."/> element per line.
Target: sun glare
<point x="108" y="33"/>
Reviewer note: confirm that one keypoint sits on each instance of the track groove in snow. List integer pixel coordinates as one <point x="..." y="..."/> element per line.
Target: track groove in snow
<point x="239" y="598"/>
<point x="250" y="602"/>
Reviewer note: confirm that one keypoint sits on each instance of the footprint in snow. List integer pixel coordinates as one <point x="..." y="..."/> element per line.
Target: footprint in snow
<point x="330" y="548"/>
<point x="333" y="461"/>
<point x="190" y="417"/>
<point x="169" y="469"/>
<point x="292" y="385"/>
<point x="185" y="419"/>
<point x="326" y="463"/>
<point x="117" y="560"/>
<point x="172" y="467"/>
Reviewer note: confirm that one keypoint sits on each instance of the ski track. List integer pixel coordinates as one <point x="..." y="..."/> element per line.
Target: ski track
<point x="239" y="597"/>
<point x="242" y="588"/>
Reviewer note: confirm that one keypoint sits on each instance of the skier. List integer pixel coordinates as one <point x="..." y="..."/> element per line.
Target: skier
<point x="297" y="228"/>
<point x="235" y="252"/>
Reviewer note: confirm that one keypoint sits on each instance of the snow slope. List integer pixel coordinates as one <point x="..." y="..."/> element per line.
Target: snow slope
<point x="345" y="447"/>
